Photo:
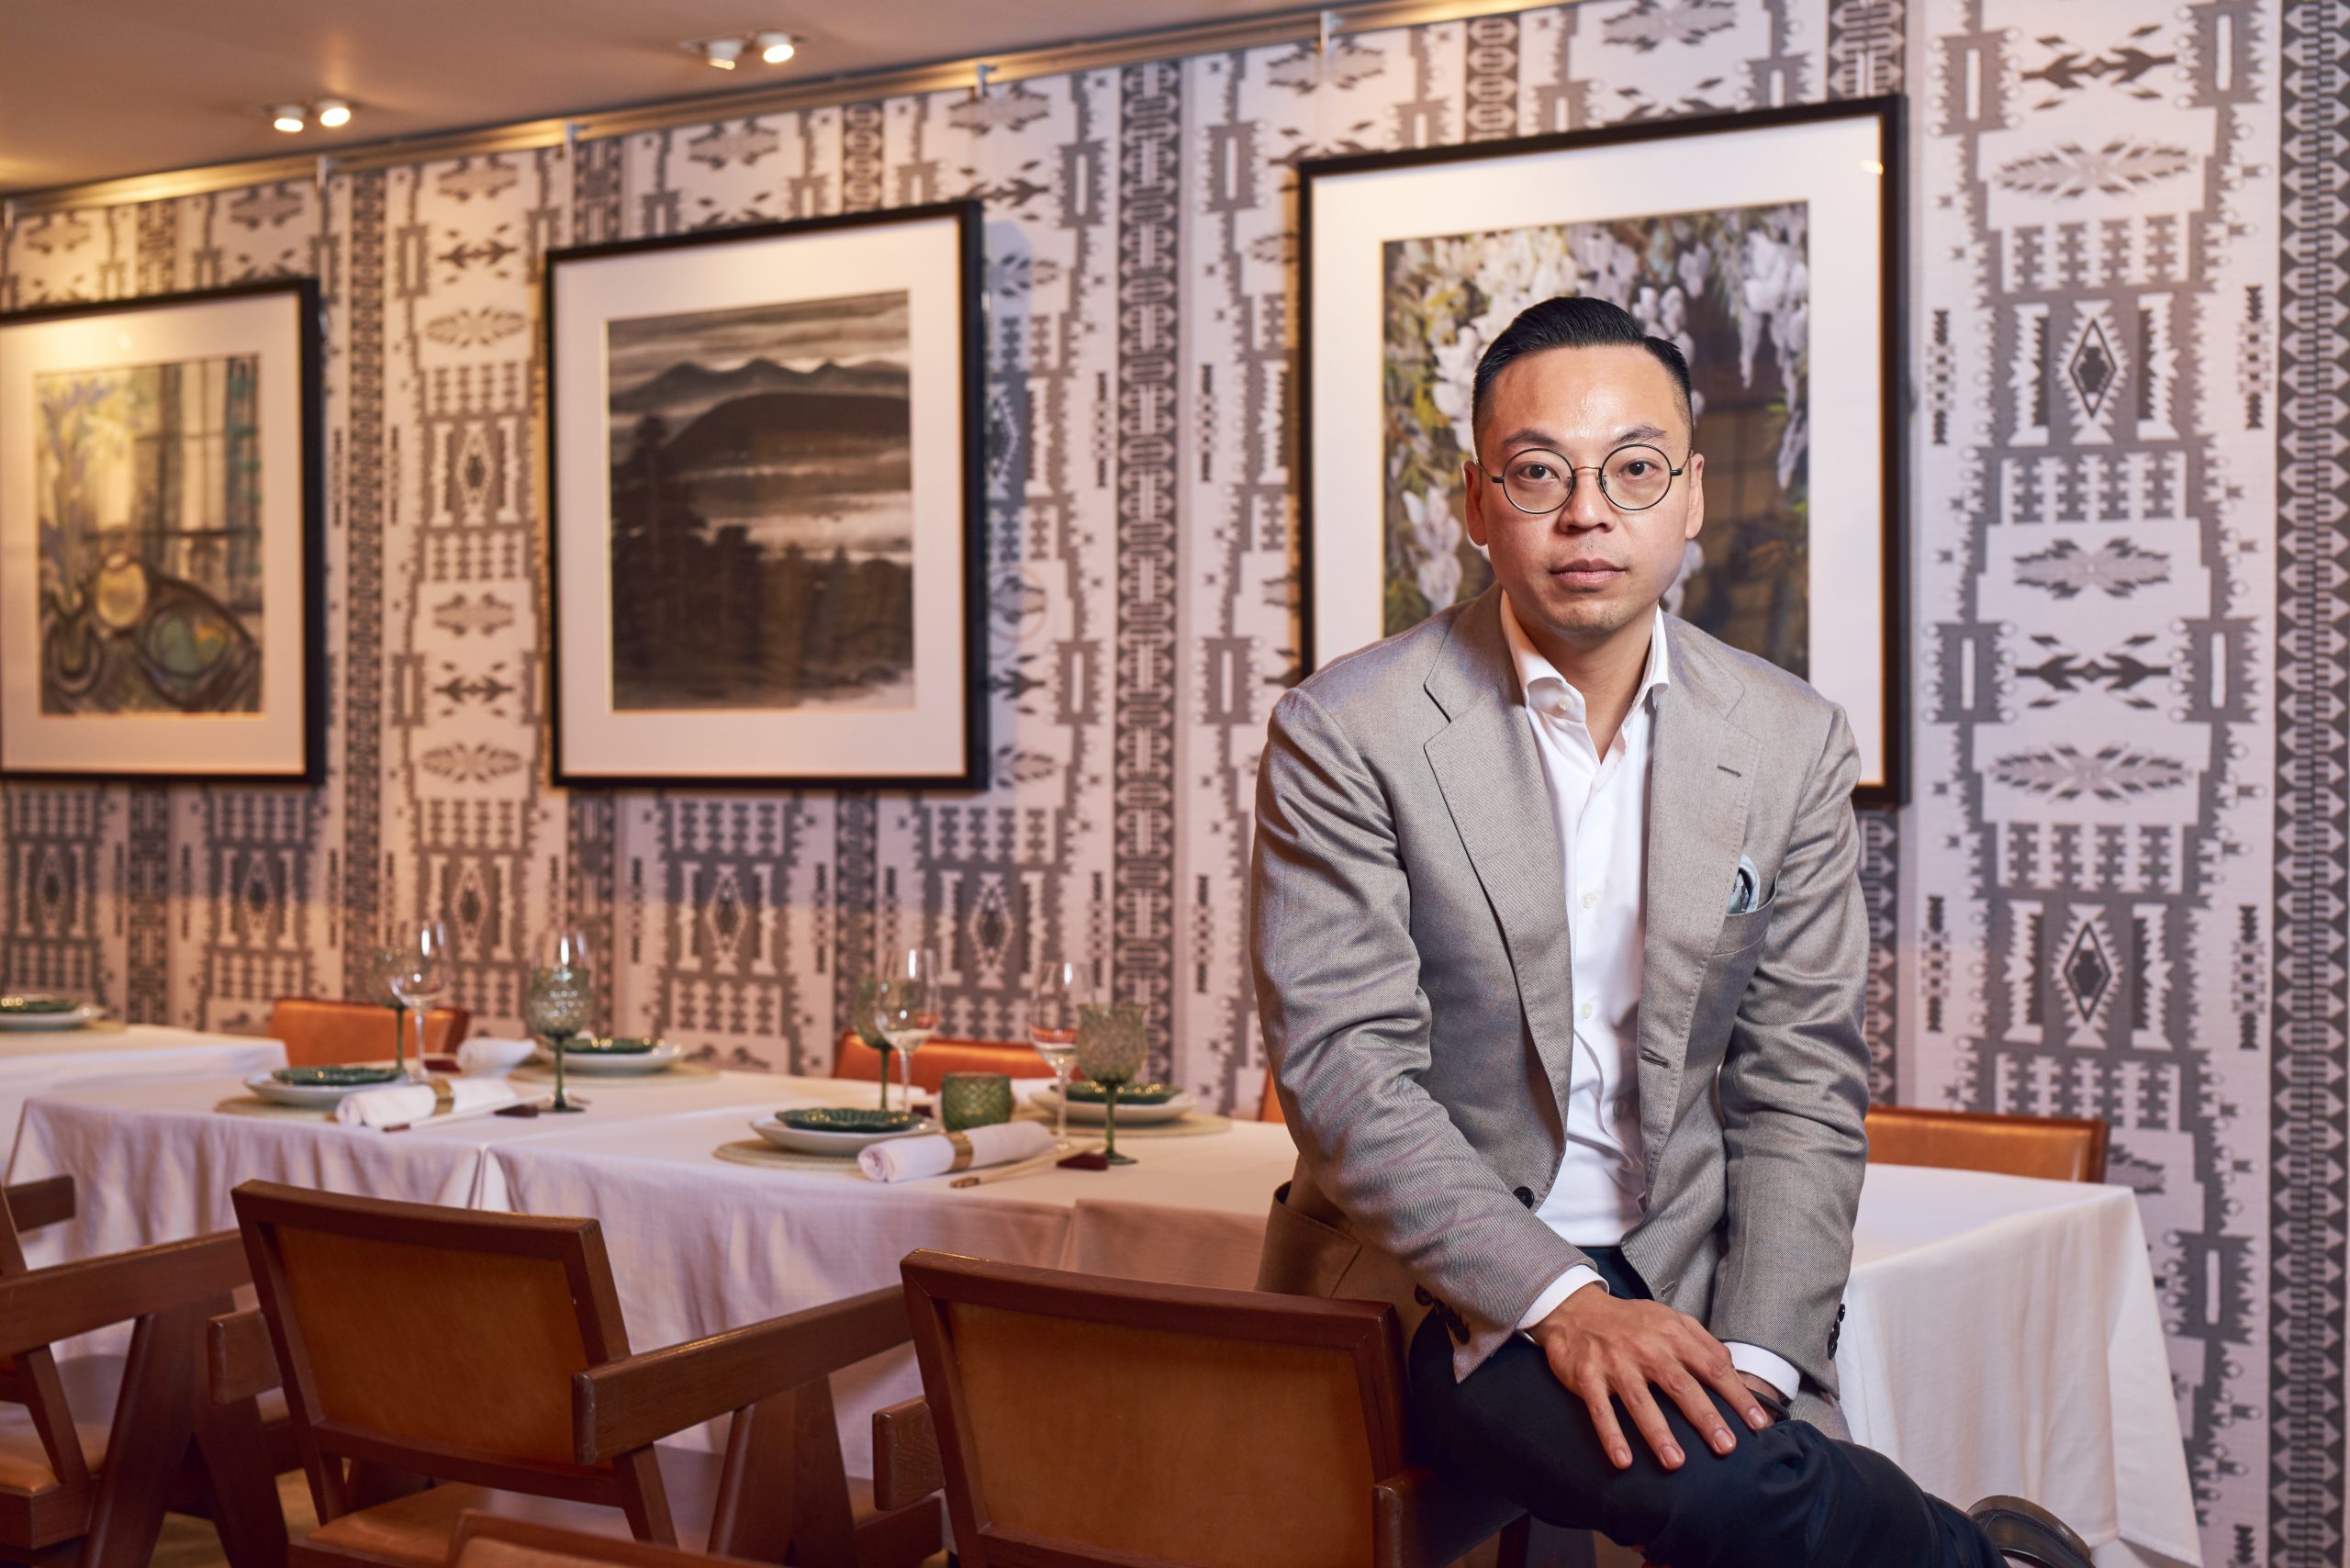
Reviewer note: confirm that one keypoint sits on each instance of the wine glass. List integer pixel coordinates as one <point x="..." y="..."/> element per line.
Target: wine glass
<point x="1111" y="1044"/>
<point x="382" y="964"/>
<point x="558" y="1005"/>
<point x="419" y="976"/>
<point x="905" y="1008"/>
<point x="1053" y="1002"/>
<point x="867" y="1020"/>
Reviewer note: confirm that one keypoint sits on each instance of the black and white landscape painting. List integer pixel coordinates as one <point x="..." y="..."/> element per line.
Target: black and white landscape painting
<point x="762" y="507"/>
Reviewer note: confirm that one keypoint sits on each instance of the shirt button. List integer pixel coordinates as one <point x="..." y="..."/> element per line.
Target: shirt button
<point x="1584" y="1011"/>
<point x="1591" y="901"/>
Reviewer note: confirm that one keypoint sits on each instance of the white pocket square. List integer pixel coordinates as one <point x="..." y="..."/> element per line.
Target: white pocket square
<point x="1745" y="887"/>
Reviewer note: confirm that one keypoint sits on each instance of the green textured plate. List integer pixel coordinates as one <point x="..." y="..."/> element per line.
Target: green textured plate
<point x="1085" y="1092"/>
<point x="28" y="1005"/>
<point x="342" y="1077"/>
<point x="845" y="1119"/>
<point x="611" y="1045"/>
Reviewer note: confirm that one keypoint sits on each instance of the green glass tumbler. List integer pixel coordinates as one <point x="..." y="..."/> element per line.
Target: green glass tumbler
<point x="967" y="1100"/>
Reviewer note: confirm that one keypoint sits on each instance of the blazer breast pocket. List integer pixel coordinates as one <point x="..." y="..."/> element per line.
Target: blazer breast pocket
<point x="1742" y="930"/>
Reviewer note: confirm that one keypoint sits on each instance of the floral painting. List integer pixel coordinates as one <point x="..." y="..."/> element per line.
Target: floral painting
<point x="1731" y="286"/>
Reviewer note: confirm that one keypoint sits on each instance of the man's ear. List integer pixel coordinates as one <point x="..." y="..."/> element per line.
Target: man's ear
<point x="1472" y="484"/>
<point x="1696" y="477"/>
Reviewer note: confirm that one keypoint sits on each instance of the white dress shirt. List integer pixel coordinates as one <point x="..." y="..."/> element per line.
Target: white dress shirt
<point x="1601" y="806"/>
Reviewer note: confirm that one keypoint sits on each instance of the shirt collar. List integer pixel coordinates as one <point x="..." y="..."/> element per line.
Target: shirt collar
<point x="1533" y="670"/>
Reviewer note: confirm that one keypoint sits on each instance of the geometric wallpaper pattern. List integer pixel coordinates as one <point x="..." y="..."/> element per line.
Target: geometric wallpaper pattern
<point x="2120" y="887"/>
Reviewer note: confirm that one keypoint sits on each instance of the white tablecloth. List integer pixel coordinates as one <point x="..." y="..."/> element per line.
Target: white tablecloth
<point x="2000" y="1336"/>
<point x="155" y="1161"/>
<point x="45" y="1061"/>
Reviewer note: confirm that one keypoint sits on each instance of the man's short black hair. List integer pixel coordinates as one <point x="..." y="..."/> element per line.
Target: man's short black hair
<point x="1575" y="322"/>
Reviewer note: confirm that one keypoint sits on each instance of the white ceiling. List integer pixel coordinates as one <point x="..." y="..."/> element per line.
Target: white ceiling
<point x="95" y="89"/>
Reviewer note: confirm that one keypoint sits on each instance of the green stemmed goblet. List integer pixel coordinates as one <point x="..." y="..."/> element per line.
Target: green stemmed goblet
<point x="1111" y="1044"/>
<point x="558" y="1007"/>
<point x="382" y="964"/>
<point x="867" y="1020"/>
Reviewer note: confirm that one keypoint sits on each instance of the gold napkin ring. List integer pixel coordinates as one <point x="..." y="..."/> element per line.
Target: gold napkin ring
<point x="443" y="1097"/>
<point x="962" y="1142"/>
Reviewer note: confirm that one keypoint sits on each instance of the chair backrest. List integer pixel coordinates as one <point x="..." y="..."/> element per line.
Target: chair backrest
<point x="440" y="1342"/>
<point x="30" y="1377"/>
<point x="939" y="1057"/>
<point x="317" y="1033"/>
<point x="2058" y="1149"/>
<point x="1268" y="1109"/>
<point x="1115" y="1422"/>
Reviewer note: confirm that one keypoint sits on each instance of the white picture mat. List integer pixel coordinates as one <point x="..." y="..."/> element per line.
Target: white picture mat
<point x="922" y="257"/>
<point x="1831" y="165"/>
<point x="267" y="325"/>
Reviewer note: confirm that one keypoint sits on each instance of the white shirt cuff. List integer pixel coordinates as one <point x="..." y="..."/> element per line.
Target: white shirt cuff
<point x="1558" y="1290"/>
<point x="1772" y="1369"/>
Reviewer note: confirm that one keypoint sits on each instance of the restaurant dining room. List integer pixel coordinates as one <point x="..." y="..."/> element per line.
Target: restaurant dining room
<point x="1048" y="784"/>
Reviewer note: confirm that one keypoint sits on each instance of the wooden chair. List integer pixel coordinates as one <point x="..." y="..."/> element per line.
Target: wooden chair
<point x="1091" y="1422"/>
<point x="487" y="1352"/>
<point x="939" y="1057"/>
<point x="92" y="1449"/>
<point x="317" y="1033"/>
<point x="490" y="1541"/>
<point x="1269" y="1108"/>
<point x="2056" y="1149"/>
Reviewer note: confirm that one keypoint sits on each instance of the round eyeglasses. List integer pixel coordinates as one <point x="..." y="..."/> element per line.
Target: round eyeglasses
<point x="1634" y="478"/>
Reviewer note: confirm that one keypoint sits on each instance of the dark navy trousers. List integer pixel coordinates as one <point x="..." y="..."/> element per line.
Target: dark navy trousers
<point x="1788" y="1495"/>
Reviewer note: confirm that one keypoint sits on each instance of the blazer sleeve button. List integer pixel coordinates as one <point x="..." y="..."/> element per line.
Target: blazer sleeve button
<point x="1525" y="1195"/>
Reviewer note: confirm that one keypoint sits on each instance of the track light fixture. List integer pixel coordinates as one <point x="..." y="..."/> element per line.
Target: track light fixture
<point x="772" y="45"/>
<point x="287" y="117"/>
<point x="333" y="113"/>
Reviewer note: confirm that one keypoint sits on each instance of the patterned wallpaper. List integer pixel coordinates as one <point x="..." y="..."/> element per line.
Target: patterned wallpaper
<point x="2121" y="888"/>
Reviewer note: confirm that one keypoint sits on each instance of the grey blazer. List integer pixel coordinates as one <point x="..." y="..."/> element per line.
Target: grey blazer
<point x="1409" y="936"/>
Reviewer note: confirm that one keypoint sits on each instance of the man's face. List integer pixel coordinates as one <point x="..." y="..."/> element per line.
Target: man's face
<point x="1588" y="570"/>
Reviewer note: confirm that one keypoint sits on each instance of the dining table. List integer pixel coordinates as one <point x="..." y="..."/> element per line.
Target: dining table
<point x="106" y="1053"/>
<point x="2001" y="1334"/>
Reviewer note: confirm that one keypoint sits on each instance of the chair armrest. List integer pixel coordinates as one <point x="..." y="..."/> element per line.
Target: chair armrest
<point x="239" y="1360"/>
<point x="906" y="1466"/>
<point x="1421" y="1519"/>
<point x="49" y="1305"/>
<point x="36" y="1203"/>
<point x="627" y="1403"/>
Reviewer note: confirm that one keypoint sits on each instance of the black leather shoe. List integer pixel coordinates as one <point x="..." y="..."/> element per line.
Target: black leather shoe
<point x="2026" y="1532"/>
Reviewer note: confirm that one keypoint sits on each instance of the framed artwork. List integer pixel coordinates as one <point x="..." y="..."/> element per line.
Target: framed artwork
<point x="160" y="597"/>
<point x="1721" y="234"/>
<point x="765" y="545"/>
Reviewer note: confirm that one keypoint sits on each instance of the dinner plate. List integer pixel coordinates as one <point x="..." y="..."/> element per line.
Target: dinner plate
<point x="1092" y="1113"/>
<point x="309" y="1096"/>
<point x="814" y="1141"/>
<point x="73" y="1018"/>
<point x="611" y="1063"/>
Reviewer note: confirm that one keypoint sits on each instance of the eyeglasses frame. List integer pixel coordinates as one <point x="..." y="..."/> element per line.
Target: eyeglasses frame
<point x="1670" y="474"/>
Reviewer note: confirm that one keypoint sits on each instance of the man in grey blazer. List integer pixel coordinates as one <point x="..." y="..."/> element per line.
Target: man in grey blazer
<point x="1559" y="953"/>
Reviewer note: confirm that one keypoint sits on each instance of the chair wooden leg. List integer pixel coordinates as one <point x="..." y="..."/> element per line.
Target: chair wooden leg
<point x="1516" y="1541"/>
<point x="240" y="1489"/>
<point x="153" y="1426"/>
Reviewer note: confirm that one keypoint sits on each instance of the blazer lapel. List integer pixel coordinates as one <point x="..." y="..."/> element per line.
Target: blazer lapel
<point x="1701" y="775"/>
<point x="1492" y="783"/>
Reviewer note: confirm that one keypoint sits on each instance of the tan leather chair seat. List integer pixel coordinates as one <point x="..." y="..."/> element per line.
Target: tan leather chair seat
<point x="92" y="1384"/>
<point x="417" y="1528"/>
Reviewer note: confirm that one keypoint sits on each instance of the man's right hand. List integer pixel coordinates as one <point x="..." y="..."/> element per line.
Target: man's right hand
<point x="1602" y="1347"/>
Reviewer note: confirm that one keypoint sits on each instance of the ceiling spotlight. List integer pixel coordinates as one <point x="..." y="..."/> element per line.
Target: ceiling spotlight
<point x="720" y="53"/>
<point x="287" y="117"/>
<point x="333" y="113"/>
<point x="774" y="48"/>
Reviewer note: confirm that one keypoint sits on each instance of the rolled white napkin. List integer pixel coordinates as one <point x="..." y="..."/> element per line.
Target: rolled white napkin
<point x="483" y="1057"/>
<point x="411" y="1103"/>
<point x="911" y="1159"/>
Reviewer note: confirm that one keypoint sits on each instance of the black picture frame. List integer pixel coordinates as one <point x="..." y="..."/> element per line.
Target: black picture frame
<point x="305" y="434"/>
<point x="971" y="768"/>
<point x="1887" y="784"/>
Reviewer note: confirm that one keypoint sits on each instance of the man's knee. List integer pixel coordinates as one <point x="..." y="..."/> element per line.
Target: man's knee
<point x="1767" y="1500"/>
